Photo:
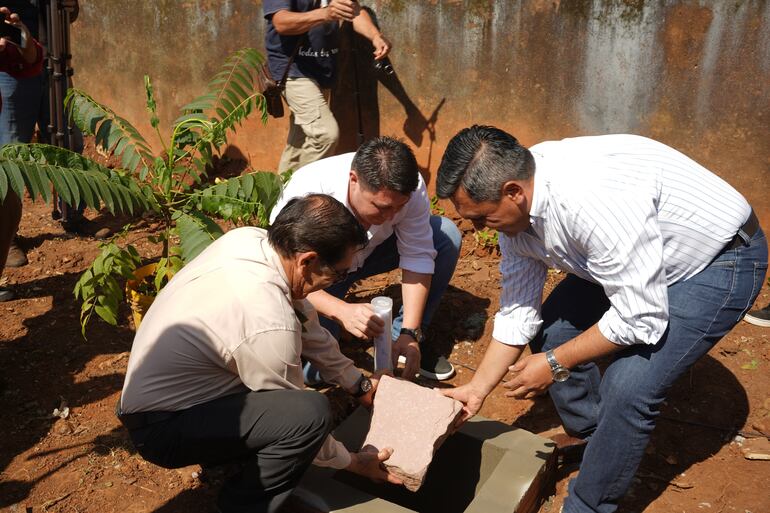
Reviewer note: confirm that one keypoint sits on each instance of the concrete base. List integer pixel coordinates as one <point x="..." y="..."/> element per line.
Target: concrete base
<point x="486" y="467"/>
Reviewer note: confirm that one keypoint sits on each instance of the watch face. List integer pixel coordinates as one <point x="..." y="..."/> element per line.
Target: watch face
<point x="561" y="374"/>
<point x="366" y="385"/>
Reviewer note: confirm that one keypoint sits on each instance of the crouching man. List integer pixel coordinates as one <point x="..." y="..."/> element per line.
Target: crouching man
<point x="215" y="375"/>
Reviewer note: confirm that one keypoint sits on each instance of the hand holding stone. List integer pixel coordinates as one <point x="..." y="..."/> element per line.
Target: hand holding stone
<point x="370" y="464"/>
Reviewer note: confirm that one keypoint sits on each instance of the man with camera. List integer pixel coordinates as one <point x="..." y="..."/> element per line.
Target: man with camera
<point x="381" y="185"/>
<point x="21" y="56"/>
<point x="302" y="42"/>
<point x="214" y="374"/>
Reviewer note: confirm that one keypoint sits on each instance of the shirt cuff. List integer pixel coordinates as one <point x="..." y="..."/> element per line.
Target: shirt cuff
<point x="333" y="454"/>
<point x="512" y="333"/>
<point x="349" y="378"/>
<point x="418" y="264"/>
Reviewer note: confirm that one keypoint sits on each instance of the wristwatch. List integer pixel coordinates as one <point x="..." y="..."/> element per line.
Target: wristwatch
<point x="416" y="334"/>
<point x="363" y="386"/>
<point x="558" y="371"/>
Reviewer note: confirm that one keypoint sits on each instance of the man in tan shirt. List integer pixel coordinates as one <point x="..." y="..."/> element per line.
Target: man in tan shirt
<point x="215" y="375"/>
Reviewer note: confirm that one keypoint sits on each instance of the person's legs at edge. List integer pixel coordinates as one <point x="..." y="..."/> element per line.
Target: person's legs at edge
<point x="10" y="215"/>
<point x="702" y="310"/>
<point x="313" y="130"/>
<point x="447" y="240"/>
<point x="21" y="104"/>
<point x="274" y="435"/>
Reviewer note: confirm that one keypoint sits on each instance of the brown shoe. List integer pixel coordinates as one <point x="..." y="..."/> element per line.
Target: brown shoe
<point x="16" y="256"/>
<point x="568" y="448"/>
<point x="83" y="226"/>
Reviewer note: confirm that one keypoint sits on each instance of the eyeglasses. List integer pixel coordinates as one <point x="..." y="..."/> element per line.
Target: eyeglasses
<point x="338" y="275"/>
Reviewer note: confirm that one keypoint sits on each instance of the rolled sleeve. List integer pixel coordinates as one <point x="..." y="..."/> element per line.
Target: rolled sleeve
<point x="629" y="267"/>
<point x="332" y="454"/>
<point x="414" y="234"/>
<point x="322" y="349"/>
<point x="518" y="320"/>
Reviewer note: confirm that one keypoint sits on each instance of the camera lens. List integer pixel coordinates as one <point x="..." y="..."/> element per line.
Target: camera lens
<point x="384" y="65"/>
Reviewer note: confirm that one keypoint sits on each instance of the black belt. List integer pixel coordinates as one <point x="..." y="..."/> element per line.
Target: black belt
<point x="749" y="228"/>
<point x="142" y="419"/>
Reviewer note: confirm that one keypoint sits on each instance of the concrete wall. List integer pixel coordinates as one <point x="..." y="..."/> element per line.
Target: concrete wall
<point x="693" y="74"/>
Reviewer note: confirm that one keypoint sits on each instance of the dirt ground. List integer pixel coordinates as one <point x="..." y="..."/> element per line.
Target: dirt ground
<point x="85" y="463"/>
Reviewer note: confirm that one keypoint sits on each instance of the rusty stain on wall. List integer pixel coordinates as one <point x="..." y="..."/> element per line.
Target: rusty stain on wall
<point x="692" y="73"/>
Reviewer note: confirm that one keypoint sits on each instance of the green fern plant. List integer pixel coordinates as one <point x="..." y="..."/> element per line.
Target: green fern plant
<point x="171" y="184"/>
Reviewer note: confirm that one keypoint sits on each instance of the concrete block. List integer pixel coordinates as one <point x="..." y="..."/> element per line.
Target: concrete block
<point x="486" y="467"/>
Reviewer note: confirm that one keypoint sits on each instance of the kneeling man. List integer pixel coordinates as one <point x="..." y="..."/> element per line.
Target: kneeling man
<point x="215" y="376"/>
<point x="381" y="185"/>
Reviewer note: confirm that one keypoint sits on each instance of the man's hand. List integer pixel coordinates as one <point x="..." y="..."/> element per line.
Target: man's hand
<point x="470" y="396"/>
<point x="407" y="346"/>
<point x="381" y="47"/>
<point x="360" y="320"/>
<point x="342" y="10"/>
<point x="367" y="400"/>
<point x="532" y="377"/>
<point x="29" y="53"/>
<point x="370" y="464"/>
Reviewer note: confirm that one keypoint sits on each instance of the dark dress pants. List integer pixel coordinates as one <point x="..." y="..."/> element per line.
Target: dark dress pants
<point x="274" y="435"/>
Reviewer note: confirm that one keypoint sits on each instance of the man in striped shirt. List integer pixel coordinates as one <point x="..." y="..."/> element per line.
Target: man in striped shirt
<point x="663" y="256"/>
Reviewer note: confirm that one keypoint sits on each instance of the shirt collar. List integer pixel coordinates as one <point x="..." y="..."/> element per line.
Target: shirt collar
<point x="274" y="261"/>
<point x="539" y="198"/>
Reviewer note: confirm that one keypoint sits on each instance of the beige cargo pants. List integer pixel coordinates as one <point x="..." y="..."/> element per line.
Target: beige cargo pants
<point x="313" y="131"/>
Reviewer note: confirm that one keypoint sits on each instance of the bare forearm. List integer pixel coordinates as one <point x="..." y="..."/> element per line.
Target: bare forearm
<point x="364" y="25"/>
<point x="586" y="347"/>
<point x="289" y="23"/>
<point x="494" y="365"/>
<point x="414" y="290"/>
<point x="326" y="304"/>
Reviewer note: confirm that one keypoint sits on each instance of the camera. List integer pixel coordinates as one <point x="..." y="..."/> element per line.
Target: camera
<point x="384" y="66"/>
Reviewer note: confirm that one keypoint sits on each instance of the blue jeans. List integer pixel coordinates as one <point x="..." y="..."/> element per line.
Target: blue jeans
<point x="446" y="240"/>
<point x="616" y="412"/>
<point x="25" y="105"/>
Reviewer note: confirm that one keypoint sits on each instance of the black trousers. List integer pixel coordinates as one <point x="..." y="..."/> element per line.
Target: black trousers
<point x="274" y="434"/>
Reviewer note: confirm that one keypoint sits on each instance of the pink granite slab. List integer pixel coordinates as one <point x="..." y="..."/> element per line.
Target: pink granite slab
<point x="414" y="421"/>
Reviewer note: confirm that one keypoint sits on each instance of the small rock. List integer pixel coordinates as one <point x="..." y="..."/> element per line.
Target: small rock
<point x="63" y="427"/>
<point x="703" y="505"/>
<point x="756" y="449"/>
<point x="739" y="439"/>
<point x="671" y="460"/>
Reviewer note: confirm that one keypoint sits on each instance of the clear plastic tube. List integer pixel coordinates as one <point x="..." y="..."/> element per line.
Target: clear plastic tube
<point x="383" y="307"/>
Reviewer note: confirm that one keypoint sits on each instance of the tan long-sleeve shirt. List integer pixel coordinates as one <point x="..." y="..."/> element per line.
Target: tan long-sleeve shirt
<point x="227" y="323"/>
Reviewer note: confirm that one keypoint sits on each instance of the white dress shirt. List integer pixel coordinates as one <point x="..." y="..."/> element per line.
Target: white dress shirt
<point x="622" y="211"/>
<point x="414" y="235"/>
<point x="227" y="323"/>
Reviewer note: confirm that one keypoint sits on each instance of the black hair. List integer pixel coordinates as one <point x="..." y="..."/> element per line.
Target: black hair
<point x="319" y="223"/>
<point x="482" y="159"/>
<point x="386" y="163"/>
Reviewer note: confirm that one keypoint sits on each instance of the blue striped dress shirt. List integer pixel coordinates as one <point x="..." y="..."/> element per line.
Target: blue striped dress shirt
<point x="626" y="212"/>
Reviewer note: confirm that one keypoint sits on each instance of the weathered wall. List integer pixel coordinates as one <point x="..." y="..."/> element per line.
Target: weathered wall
<point x="693" y="74"/>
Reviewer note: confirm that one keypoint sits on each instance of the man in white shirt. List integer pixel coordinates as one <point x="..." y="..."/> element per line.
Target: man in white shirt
<point x="215" y="375"/>
<point x="381" y="185"/>
<point x="664" y="259"/>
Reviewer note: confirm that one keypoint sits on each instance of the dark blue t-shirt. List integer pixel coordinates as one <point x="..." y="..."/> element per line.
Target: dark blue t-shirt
<point x="316" y="57"/>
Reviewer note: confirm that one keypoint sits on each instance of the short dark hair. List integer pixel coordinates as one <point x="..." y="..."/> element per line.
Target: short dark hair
<point x="319" y="223"/>
<point x="386" y="163"/>
<point x="482" y="159"/>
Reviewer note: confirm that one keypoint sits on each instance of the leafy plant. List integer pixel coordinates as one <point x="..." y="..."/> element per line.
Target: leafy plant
<point x="486" y="238"/>
<point x="435" y="208"/>
<point x="171" y="184"/>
